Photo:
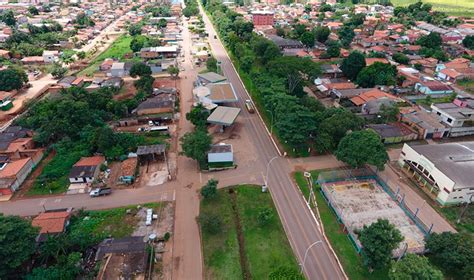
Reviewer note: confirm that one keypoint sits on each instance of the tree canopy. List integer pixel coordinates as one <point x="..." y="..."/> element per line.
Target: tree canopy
<point x="378" y="241"/>
<point x="198" y="116"/>
<point x="196" y="144"/>
<point x="468" y="42"/>
<point x="431" y="41"/>
<point x="377" y="74"/>
<point x="362" y="147"/>
<point x="353" y="64"/>
<point x="414" y="267"/>
<point x="11" y="79"/>
<point x="308" y="39"/>
<point x="17" y="243"/>
<point x="453" y="251"/>
<point x="135" y="29"/>
<point x="322" y="33"/>
<point x="140" y="69"/>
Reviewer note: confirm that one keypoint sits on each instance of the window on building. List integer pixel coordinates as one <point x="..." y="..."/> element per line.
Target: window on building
<point x="450" y="120"/>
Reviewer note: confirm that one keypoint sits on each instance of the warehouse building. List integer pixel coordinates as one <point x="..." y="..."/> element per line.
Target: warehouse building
<point x="443" y="171"/>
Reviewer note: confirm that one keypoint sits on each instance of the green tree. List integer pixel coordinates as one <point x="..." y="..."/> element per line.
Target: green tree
<point x="67" y="268"/>
<point x="346" y="35"/>
<point x="353" y="64"/>
<point x="81" y="54"/>
<point x="325" y="8"/>
<point x="33" y="10"/>
<point x="209" y="191"/>
<point x="401" y="58"/>
<point x="414" y="267"/>
<point x="173" y="71"/>
<point x="378" y="241"/>
<point x="196" y="144"/>
<point x="162" y="23"/>
<point x="135" y="29"/>
<point x="17" y="244"/>
<point x="389" y="113"/>
<point x="362" y="147"/>
<point x="198" y="116"/>
<point x="138" y="42"/>
<point x="140" y="69"/>
<point x="431" y="41"/>
<point x="334" y="49"/>
<point x="246" y="63"/>
<point x="211" y="64"/>
<point x="322" y="33"/>
<point x="377" y="74"/>
<point x="453" y="251"/>
<point x="57" y="71"/>
<point x="8" y="17"/>
<point x="468" y="42"/>
<point x="307" y="38"/>
<point x="10" y="79"/>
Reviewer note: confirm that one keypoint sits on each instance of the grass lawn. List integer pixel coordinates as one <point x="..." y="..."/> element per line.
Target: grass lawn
<point x="266" y="247"/>
<point x="117" y="50"/>
<point x="451" y="7"/>
<point x="350" y="259"/>
<point x="428" y="101"/>
<point x="111" y="222"/>
<point x="467" y="85"/>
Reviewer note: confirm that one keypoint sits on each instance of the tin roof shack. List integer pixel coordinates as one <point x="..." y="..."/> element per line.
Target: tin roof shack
<point x="426" y="124"/>
<point x="220" y="156"/>
<point x="86" y="170"/>
<point x="393" y="133"/>
<point x="123" y="258"/>
<point x="51" y="222"/>
<point x="210" y="78"/>
<point x="151" y="152"/>
<point x="162" y="103"/>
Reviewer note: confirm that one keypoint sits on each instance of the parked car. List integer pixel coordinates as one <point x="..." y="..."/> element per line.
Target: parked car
<point x="249" y="105"/>
<point x="99" y="192"/>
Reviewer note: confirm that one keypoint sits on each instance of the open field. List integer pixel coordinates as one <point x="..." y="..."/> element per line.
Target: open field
<point x="265" y="248"/>
<point x="117" y="50"/>
<point x="451" y="7"/>
<point x="351" y="261"/>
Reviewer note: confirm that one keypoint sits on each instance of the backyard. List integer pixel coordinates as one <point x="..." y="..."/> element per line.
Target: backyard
<point x="351" y="261"/>
<point x="117" y="50"/>
<point x="263" y="248"/>
<point x="467" y="85"/>
<point x="451" y="7"/>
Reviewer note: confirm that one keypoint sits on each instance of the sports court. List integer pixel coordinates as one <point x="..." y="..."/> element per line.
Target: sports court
<point x="359" y="202"/>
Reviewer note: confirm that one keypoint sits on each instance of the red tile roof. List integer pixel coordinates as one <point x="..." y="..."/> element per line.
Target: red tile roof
<point x="90" y="161"/>
<point x="370" y="95"/>
<point x="51" y="222"/>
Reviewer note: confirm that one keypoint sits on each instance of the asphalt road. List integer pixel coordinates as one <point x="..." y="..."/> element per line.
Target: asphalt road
<point x="300" y="225"/>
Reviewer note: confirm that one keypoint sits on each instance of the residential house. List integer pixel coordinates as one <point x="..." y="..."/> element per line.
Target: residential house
<point x="127" y="257"/>
<point x="51" y="223"/>
<point x="433" y="88"/>
<point x="163" y="103"/>
<point x="284" y="43"/>
<point x="263" y="18"/>
<point x="106" y="65"/>
<point x="86" y="170"/>
<point x="370" y="101"/>
<point x="425" y="123"/>
<point x="115" y="82"/>
<point x="393" y="133"/>
<point x="159" y="52"/>
<point x="50" y="56"/>
<point x="458" y="116"/>
<point x="14" y="173"/>
<point x="119" y="69"/>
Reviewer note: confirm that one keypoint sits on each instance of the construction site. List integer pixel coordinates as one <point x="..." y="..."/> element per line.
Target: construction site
<point x="361" y="200"/>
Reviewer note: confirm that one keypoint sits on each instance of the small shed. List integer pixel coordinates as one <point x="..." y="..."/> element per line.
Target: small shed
<point x="220" y="155"/>
<point x="151" y="152"/>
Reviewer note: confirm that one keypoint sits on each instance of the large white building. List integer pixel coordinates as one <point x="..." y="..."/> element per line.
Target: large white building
<point x="444" y="171"/>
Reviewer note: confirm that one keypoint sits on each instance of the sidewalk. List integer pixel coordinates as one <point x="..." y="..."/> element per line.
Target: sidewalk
<point x="426" y="213"/>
